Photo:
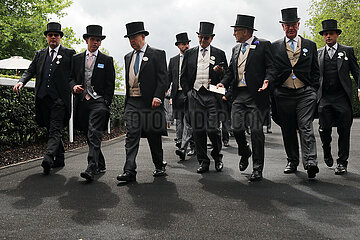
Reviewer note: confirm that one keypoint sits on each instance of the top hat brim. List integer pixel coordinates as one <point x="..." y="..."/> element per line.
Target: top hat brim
<point x="85" y="36"/>
<point x="206" y="34"/>
<point x="177" y="43"/>
<point x="293" y="20"/>
<point x="338" y="31"/>
<point x="243" y="26"/>
<point x="138" y="32"/>
<point x="60" y="32"/>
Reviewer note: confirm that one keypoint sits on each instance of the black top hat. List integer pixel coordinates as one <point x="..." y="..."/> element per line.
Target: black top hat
<point x="289" y="15"/>
<point x="182" y="38"/>
<point x="206" y="28"/>
<point x="134" y="28"/>
<point x="94" y="31"/>
<point x="245" y="21"/>
<point x="54" y="27"/>
<point x="330" y="25"/>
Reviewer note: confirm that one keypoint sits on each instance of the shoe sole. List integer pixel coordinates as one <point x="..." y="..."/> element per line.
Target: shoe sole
<point x="312" y="171"/>
<point x="86" y="176"/>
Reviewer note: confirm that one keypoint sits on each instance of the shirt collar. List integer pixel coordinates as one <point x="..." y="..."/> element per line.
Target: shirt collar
<point x="250" y="40"/>
<point x="143" y="49"/>
<point x="296" y="39"/>
<point x="335" y="47"/>
<point x="94" y="53"/>
<point x="56" y="49"/>
<point x="207" y="48"/>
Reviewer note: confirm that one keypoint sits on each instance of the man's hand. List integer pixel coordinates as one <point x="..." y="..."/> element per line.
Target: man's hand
<point x="359" y="95"/>
<point x="78" y="89"/>
<point x="218" y="69"/>
<point x="170" y="101"/>
<point x="264" y="86"/>
<point x="220" y="85"/>
<point x="224" y="98"/>
<point x="155" y="103"/>
<point x="17" y="87"/>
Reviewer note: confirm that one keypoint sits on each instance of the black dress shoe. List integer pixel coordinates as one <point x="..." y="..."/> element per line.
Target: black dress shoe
<point x="312" y="170"/>
<point x="244" y="160"/>
<point x="159" y="172"/>
<point x="203" y="169"/>
<point x="290" y="168"/>
<point x="340" y="169"/>
<point x="255" y="176"/>
<point x="102" y="170"/>
<point x="88" y="175"/>
<point x="46" y="164"/>
<point x="58" y="164"/>
<point x="178" y="144"/>
<point x="191" y="152"/>
<point x="181" y="153"/>
<point x="226" y="144"/>
<point x="126" y="177"/>
<point x="329" y="161"/>
<point x="219" y="166"/>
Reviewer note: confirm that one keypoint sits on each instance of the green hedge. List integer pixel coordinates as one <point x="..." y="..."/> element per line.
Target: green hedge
<point x="17" y="118"/>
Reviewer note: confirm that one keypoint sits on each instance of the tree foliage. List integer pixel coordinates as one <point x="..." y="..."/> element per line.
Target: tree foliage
<point x="23" y="22"/>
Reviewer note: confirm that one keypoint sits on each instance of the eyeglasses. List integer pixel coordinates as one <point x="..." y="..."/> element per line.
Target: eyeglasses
<point x="53" y="34"/>
<point x="204" y="37"/>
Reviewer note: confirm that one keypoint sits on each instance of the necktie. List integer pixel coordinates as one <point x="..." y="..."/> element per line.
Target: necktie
<point x="292" y="44"/>
<point x="90" y="59"/>
<point x="203" y="51"/>
<point x="243" y="47"/>
<point x="331" y="52"/>
<point x="137" y="60"/>
<point x="52" y="52"/>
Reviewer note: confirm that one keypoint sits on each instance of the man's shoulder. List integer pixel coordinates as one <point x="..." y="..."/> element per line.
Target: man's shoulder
<point x="307" y="41"/>
<point x="278" y="42"/>
<point x="215" y="49"/>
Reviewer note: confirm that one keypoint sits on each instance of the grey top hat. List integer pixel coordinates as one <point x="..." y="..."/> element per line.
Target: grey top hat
<point x="329" y="25"/>
<point x="134" y="28"/>
<point x="206" y="28"/>
<point x="53" y="27"/>
<point x="94" y="31"/>
<point x="289" y="15"/>
<point x="182" y="38"/>
<point x="245" y="21"/>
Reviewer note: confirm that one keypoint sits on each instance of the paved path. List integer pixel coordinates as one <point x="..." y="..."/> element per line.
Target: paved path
<point x="184" y="204"/>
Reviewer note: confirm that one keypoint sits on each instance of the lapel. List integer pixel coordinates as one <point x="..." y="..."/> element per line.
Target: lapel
<point x="251" y="52"/>
<point x="194" y="57"/>
<point x="321" y="59"/>
<point x="341" y="59"/>
<point x="98" y="58"/>
<point x="42" y="59"/>
<point x="283" y="51"/>
<point x="144" y="63"/>
<point x="303" y="46"/>
<point x="128" y="58"/>
<point x="61" y="51"/>
<point x="177" y="64"/>
<point x="236" y="56"/>
<point x="82" y="66"/>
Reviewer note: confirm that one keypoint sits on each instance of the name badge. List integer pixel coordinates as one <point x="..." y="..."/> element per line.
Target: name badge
<point x="100" y="65"/>
<point x="293" y="77"/>
<point x="212" y="62"/>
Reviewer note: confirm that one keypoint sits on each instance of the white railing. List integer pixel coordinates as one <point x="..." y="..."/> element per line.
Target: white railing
<point x="31" y="84"/>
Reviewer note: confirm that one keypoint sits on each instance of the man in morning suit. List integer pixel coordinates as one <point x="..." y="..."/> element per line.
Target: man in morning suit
<point x="52" y="94"/>
<point x="93" y="83"/>
<point x="146" y="84"/>
<point x="335" y="95"/>
<point x="250" y="92"/>
<point x="200" y="69"/>
<point x="295" y="84"/>
<point x="178" y="98"/>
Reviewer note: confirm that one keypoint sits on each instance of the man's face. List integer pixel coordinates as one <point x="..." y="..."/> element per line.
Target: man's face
<point x="291" y="29"/>
<point x="93" y="43"/>
<point x="183" y="46"/>
<point x="240" y="34"/>
<point x="330" y="37"/>
<point x="204" y="41"/>
<point x="53" y="39"/>
<point x="137" y="41"/>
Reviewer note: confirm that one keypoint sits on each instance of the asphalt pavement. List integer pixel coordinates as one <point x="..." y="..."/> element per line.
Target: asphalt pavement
<point x="183" y="204"/>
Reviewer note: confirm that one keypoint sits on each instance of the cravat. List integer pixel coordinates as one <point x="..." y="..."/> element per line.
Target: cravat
<point x="292" y="44"/>
<point x="137" y="60"/>
<point x="90" y="59"/>
<point x="243" y="47"/>
<point x="203" y="51"/>
<point x="331" y="52"/>
<point x="52" y="52"/>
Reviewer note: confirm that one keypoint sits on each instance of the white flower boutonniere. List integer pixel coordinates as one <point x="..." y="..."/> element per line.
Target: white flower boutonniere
<point x="58" y="58"/>
<point x="341" y="54"/>
<point x="212" y="58"/>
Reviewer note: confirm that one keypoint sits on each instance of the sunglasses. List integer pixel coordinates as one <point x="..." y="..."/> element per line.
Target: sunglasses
<point x="53" y="34"/>
<point x="204" y="37"/>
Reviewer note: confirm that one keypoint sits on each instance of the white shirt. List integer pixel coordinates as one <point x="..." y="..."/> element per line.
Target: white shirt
<point x="296" y="40"/>
<point x="331" y="50"/>
<point x="94" y="55"/>
<point x="55" y="53"/>
<point x="249" y="41"/>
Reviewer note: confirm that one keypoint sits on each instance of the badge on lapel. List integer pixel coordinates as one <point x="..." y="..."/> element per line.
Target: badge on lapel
<point x="305" y="51"/>
<point x="212" y="58"/>
<point x="145" y="59"/>
<point x="341" y="54"/>
<point x="58" y="59"/>
<point x="100" y="65"/>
